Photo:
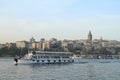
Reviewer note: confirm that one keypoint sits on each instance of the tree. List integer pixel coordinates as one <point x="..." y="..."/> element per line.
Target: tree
<point x="104" y="51"/>
<point x="117" y="50"/>
<point x="5" y="51"/>
<point x="23" y="51"/>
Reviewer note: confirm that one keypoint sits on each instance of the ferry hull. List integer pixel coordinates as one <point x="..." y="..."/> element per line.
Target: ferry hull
<point x="24" y="61"/>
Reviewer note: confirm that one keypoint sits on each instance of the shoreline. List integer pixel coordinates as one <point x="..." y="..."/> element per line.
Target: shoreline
<point x="6" y="57"/>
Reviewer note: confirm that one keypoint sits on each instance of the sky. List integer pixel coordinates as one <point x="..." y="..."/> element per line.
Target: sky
<point x="61" y="19"/>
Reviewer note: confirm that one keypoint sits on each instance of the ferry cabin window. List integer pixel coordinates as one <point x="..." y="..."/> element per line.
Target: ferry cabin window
<point x="59" y="60"/>
<point x="68" y="60"/>
<point x="65" y="57"/>
<point x="37" y="60"/>
<point x="38" y="57"/>
<point x="54" y="61"/>
<point x="44" y="56"/>
<point x="42" y="60"/>
<point x="35" y="57"/>
<point x="48" y="60"/>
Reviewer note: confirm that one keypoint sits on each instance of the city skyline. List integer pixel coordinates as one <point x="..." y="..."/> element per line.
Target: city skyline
<point x="62" y="19"/>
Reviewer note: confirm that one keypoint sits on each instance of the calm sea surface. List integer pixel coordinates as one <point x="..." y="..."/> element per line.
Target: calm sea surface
<point x="89" y="70"/>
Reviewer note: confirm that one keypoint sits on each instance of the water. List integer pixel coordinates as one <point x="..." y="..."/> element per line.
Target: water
<point x="91" y="70"/>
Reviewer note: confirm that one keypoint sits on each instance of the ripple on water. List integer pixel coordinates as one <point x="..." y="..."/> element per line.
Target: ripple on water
<point x="93" y="70"/>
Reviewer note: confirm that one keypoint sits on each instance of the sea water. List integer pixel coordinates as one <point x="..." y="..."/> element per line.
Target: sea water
<point x="91" y="69"/>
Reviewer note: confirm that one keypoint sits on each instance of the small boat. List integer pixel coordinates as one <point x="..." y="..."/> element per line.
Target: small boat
<point x="45" y="57"/>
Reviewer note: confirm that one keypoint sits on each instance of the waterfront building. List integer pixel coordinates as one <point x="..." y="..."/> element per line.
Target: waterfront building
<point x="32" y="40"/>
<point x="114" y="43"/>
<point x="79" y="45"/>
<point x="42" y="40"/>
<point x="105" y="43"/>
<point x="88" y="46"/>
<point x="35" y="45"/>
<point x="67" y="45"/>
<point x="96" y="45"/>
<point x="41" y="44"/>
<point x="64" y="45"/>
<point x="70" y="46"/>
<point x="21" y="44"/>
<point x="53" y="39"/>
<point x="46" y="45"/>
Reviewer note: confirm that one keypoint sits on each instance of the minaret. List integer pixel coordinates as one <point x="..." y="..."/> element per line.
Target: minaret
<point x="90" y="36"/>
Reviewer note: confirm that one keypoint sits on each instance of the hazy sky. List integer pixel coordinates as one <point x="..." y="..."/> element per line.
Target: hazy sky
<point x="62" y="19"/>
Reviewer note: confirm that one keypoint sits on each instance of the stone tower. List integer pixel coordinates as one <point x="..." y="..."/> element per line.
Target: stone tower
<point x="89" y="36"/>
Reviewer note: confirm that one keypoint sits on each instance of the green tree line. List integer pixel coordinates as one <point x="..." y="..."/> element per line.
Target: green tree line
<point x="12" y="51"/>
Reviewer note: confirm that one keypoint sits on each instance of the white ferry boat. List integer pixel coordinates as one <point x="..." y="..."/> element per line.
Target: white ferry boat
<point x="46" y="57"/>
